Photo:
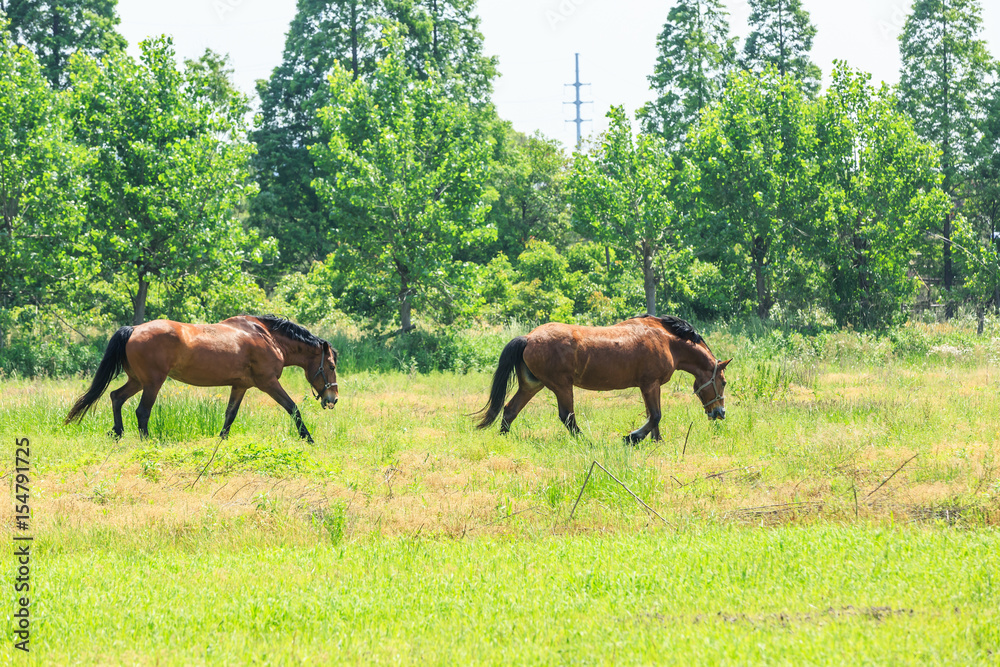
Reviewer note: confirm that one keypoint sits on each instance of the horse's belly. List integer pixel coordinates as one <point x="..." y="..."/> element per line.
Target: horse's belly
<point x="207" y="378"/>
<point x="212" y="370"/>
<point x="604" y="381"/>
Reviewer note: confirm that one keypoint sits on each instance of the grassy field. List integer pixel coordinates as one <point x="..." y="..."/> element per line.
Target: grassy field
<point x="845" y="511"/>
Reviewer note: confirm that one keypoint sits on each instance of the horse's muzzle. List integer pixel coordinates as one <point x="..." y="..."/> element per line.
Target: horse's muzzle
<point x="329" y="403"/>
<point x="716" y="413"/>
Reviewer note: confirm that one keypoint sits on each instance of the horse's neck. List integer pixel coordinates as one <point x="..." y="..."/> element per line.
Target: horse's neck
<point x="294" y="352"/>
<point x="691" y="358"/>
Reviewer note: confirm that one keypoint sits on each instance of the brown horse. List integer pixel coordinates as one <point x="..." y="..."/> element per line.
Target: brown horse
<point x="241" y="352"/>
<point x="641" y="352"/>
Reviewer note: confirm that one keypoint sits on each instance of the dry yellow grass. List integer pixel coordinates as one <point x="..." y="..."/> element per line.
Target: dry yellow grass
<point x="400" y="457"/>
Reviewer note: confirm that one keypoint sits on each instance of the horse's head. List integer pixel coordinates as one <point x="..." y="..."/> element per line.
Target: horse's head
<point x="710" y="388"/>
<point x="324" y="380"/>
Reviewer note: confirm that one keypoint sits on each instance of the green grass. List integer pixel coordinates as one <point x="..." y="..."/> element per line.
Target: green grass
<point x="722" y="595"/>
<point x="404" y="534"/>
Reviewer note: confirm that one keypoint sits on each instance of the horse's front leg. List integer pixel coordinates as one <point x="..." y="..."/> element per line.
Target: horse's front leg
<point x="651" y="397"/>
<point x="277" y="392"/>
<point x="235" y="398"/>
<point x="564" y="399"/>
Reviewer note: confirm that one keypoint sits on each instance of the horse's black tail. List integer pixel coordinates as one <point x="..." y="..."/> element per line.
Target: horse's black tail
<point x="510" y="358"/>
<point x="111" y="365"/>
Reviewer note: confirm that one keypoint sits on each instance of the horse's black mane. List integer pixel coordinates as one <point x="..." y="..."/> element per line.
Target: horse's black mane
<point x="677" y="326"/>
<point x="291" y="330"/>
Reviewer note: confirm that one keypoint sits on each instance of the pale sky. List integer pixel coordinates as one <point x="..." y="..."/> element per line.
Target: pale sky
<point x="535" y="41"/>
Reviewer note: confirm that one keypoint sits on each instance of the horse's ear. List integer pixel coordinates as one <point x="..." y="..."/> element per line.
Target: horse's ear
<point x="723" y="364"/>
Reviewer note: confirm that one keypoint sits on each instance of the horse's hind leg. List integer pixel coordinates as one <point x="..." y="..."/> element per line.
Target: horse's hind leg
<point x="118" y="398"/>
<point x="149" y="394"/>
<point x="235" y="398"/>
<point x="516" y="403"/>
<point x="278" y="393"/>
<point x="651" y="397"/>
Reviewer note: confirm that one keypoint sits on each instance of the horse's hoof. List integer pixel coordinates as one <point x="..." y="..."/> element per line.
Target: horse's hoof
<point x="632" y="439"/>
<point x="114" y="435"/>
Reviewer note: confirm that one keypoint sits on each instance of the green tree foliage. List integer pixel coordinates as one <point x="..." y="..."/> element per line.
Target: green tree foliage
<point x="944" y="66"/>
<point x="543" y="285"/>
<point x="528" y="175"/>
<point x="169" y="171"/>
<point x="40" y="185"/>
<point x="781" y="36"/>
<point x="981" y="235"/>
<point x="878" y="196"/>
<point x="751" y="187"/>
<point x="56" y="29"/>
<point x="979" y="259"/>
<point x="441" y="35"/>
<point x="322" y="33"/>
<point x="621" y="197"/>
<point x="407" y="158"/>
<point x="696" y="54"/>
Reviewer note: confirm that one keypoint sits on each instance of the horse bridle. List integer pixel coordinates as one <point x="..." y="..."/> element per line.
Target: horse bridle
<point x="718" y="394"/>
<point x="322" y="370"/>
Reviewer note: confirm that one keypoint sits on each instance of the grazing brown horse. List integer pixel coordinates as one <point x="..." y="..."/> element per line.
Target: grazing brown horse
<point x="641" y="352"/>
<point x="241" y="352"/>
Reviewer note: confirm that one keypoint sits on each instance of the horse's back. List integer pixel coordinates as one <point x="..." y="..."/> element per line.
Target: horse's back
<point x="199" y="354"/>
<point x="615" y="357"/>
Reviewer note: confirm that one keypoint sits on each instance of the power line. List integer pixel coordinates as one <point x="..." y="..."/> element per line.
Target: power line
<point x="579" y="120"/>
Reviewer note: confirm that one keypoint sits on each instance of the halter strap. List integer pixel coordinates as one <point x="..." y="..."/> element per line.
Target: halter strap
<point x="327" y="385"/>
<point x="718" y="395"/>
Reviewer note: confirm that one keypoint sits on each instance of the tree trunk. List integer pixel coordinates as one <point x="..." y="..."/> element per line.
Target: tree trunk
<point x="948" y="167"/>
<point x="648" y="278"/>
<point x="996" y="300"/>
<point x="404" y="305"/>
<point x="949" y="271"/>
<point x="139" y="302"/>
<point x="354" y="41"/>
<point x="980" y="317"/>
<point x="758" y="257"/>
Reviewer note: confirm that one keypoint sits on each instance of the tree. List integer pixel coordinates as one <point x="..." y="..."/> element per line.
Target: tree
<point x="944" y="65"/>
<point x="751" y="184"/>
<point x="55" y="30"/>
<point x="696" y="55"/>
<point x="781" y="36"/>
<point x="322" y="33"/>
<point x="406" y="157"/>
<point x="529" y="176"/>
<point x="981" y="233"/>
<point x="878" y="197"/>
<point x="40" y="185"/>
<point x="439" y="34"/>
<point x="443" y="36"/>
<point x="621" y="196"/>
<point x="169" y="169"/>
